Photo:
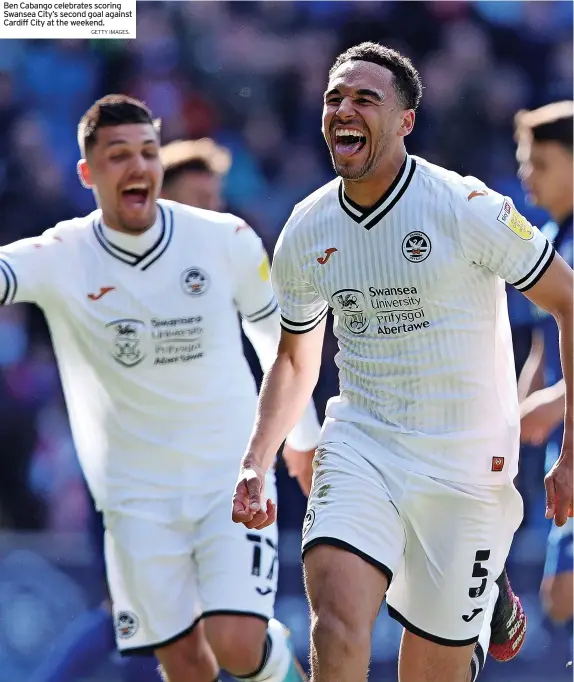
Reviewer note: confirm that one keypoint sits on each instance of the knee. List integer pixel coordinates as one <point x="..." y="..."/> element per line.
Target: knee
<point x="238" y="642"/>
<point x="556" y="596"/>
<point x="333" y="625"/>
<point x="345" y="594"/>
<point x="187" y="658"/>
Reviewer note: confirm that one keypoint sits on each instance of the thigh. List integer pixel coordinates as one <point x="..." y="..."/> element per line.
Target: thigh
<point x="351" y="508"/>
<point x="152" y="581"/>
<point x="342" y="586"/>
<point x="458" y="539"/>
<point x="237" y="567"/>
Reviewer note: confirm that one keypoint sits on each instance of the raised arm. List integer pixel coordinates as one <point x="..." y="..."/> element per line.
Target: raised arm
<point x="288" y="385"/>
<point x="26" y="269"/>
<point x="261" y="323"/>
<point x="286" y="390"/>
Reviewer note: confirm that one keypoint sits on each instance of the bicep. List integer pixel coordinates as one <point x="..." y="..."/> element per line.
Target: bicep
<point x="553" y="291"/>
<point x="304" y="349"/>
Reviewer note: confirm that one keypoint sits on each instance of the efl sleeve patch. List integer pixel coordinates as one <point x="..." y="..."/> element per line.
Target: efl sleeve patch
<point x="510" y="217"/>
<point x="264" y="269"/>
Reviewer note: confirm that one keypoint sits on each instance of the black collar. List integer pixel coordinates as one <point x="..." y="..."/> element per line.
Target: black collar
<point x="144" y="260"/>
<point x="368" y="217"/>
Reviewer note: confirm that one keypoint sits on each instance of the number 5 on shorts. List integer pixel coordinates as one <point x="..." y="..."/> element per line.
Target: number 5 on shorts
<point x="478" y="571"/>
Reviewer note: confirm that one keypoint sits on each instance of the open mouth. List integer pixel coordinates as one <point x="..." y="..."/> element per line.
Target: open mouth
<point x="135" y="195"/>
<point x="349" y="142"/>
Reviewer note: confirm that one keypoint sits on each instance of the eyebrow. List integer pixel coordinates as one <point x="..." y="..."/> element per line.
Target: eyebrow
<point x="364" y="92"/>
<point x="119" y="141"/>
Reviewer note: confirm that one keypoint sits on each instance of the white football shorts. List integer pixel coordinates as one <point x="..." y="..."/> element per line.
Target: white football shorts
<point x="171" y="563"/>
<point x="441" y="544"/>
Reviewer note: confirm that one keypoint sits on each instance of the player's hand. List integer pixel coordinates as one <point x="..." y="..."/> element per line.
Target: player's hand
<point x="540" y="414"/>
<point x="558" y="484"/>
<point x="299" y="465"/>
<point x="248" y="501"/>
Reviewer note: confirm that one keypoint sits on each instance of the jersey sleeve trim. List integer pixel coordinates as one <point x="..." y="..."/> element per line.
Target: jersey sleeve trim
<point x="303" y="327"/>
<point x="542" y="264"/>
<point x="11" y="283"/>
<point x="264" y="312"/>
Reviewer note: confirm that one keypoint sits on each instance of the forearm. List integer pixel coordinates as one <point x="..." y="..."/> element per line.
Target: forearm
<point x="556" y="398"/>
<point x="285" y="393"/>
<point x="565" y="322"/>
<point x="552" y="397"/>
<point x="532" y="375"/>
<point x="264" y="336"/>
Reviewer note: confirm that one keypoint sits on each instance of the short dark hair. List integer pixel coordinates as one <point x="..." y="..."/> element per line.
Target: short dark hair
<point x="111" y="110"/>
<point x="550" y="123"/>
<point x="200" y="156"/>
<point x="408" y="83"/>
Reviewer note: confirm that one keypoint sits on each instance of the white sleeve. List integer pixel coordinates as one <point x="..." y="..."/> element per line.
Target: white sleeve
<point x="26" y="269"/>
<point x="495" y="235"/>
<point x="254" y="295"/>
<point x="260" y="320"/>
<point x="302" y="308"/>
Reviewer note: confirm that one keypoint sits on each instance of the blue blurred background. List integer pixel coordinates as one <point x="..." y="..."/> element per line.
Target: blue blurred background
<point x="251" y="75"/>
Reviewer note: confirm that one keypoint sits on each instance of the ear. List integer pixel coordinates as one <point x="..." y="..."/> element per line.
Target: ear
<point x="85" y="174"/>
<point x="407" y="124"/>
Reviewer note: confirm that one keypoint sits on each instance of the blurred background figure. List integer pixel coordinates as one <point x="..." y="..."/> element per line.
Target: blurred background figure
<point x="249" y="76"/>
<point x="194" y="172"/>
<point x="544" y="153"/>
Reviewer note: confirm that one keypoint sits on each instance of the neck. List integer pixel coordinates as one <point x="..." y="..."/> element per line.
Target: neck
<point x="561" y="213"/>
<point x="367" y="191"/>
<point x="113" y="223"/>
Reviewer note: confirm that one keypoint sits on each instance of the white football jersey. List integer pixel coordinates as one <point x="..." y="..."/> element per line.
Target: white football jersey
<point x="159" y="393"/>
<point x="416" y="284"/>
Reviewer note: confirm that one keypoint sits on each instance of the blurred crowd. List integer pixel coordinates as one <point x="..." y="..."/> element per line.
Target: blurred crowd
<point x="252" y="76"/>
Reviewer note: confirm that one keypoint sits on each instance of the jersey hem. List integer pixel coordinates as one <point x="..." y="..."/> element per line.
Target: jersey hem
<point x="148" y="649"/>
<point x="395" y="615"/>
<point x="341" y="544"/>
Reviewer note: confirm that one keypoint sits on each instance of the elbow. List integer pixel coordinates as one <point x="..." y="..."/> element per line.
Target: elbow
<point x="303" y="366"/>
<point x="563" y="307"/>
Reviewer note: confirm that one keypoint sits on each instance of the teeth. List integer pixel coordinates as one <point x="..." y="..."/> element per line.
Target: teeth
<point x="348" y="132"/>
<point x="135" y="186"/>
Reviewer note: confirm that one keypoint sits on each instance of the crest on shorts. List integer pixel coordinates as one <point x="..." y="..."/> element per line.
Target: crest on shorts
<point x="308" y="521"/>
<point x="126" y="624"/>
